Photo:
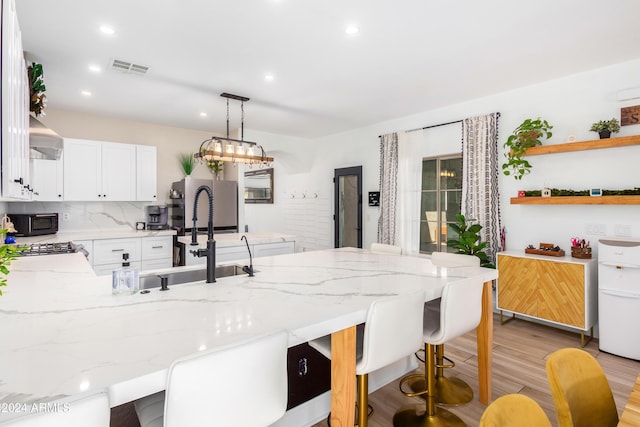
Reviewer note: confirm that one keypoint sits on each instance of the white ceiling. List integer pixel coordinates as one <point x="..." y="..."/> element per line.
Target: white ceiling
<point x="410" y="55"/>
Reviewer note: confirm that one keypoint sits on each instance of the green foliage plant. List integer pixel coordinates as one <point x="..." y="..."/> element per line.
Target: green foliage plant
<point x="527" y="135"/>
<point x="8" y="253"/>
<point x="37" y="98"/>
<point x="215" y="166"/>
<point x="612" y="126"/>
<point x="187" y="163"/>
<point x="468" y="242"/>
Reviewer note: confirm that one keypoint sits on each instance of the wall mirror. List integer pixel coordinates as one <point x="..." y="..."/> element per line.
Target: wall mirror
<point x="258" y="186"/>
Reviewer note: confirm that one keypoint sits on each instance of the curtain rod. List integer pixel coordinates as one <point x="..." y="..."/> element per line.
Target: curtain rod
<point x="435" y="126"/>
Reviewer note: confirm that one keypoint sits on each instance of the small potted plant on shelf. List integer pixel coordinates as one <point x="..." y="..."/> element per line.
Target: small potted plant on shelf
<point x="606" y="127"/>
<point x="525" y="136"/>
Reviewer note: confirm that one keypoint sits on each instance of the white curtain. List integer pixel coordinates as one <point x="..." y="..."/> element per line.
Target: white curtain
<point x="388" y="188"/>
<point x="480" y="196"/>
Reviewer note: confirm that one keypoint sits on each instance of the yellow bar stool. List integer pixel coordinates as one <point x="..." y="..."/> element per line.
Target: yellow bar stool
<point x="388" y="335"/>
<point x="209" y="388"/>
<point x="514" y="410"/>
<point x="580" y="390"/>
<point x="459" y="313"/>
<point x="449" y="391"/>
<point x="86" y="410"/>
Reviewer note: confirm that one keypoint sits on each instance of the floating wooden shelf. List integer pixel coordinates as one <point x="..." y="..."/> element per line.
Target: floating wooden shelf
<point x="595" y="144"/>
<point x="577" y="200"/>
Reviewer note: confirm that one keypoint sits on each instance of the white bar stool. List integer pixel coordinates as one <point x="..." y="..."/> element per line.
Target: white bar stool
<point x="83" y="410"/>
<point x="392" y="331"/>
<point x="210" y="387"/>
<point x="460" y="313"/>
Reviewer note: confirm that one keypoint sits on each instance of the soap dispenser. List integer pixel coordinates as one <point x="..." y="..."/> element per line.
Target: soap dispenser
<point x="125" y="280"/>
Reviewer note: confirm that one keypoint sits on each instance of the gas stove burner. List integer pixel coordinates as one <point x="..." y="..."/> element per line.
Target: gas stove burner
<point x="50" y="249"/>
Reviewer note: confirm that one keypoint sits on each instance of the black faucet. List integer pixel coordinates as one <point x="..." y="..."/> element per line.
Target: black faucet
<point x="248" y="268"/>
<point x="210" y="252"/>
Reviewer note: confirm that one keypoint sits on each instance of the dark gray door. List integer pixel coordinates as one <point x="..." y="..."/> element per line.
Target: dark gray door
<point x="348" y="207"/>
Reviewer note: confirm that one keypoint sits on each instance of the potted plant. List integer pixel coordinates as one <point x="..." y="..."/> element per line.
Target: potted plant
<point x="468" y="241"/>
<point x="606" y="127"/>
<point x="187" y="162"/>
<point x="37" y="98"/>
<point x="527" y="135"/>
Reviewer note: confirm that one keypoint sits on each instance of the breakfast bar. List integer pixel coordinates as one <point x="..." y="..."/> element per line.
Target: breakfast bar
<point x="65" y="333"/>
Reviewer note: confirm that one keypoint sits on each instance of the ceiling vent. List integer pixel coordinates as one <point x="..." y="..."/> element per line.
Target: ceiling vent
<point x="129" y="68"/>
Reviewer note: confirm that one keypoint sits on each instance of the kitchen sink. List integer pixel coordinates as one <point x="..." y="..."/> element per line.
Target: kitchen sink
<point x="152" y="280"/>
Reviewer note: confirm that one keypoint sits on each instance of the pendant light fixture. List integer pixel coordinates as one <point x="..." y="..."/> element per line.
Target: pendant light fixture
<point x="228" y="149"/>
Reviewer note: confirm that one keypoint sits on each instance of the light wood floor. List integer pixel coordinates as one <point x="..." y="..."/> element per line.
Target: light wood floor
<point x="519" y="354"/>
<point x="520" y="349"/>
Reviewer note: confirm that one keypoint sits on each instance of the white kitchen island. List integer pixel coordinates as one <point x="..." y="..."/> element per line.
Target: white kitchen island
<point x="65" y="333"/>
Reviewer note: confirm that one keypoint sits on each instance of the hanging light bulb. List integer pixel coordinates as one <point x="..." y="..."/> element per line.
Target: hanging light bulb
<point x="217" y="147"/>
<point x="240" y="149"/>
<point x="230" y="149"/>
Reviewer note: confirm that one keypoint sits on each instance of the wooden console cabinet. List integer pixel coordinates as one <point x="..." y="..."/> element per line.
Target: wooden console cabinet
<point x="560" y="290"/>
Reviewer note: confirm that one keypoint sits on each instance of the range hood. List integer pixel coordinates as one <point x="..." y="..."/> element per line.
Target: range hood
<point x="43" y="142"/>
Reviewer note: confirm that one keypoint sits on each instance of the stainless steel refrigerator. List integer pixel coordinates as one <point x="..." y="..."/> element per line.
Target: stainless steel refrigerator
<point x="225" y="205"/>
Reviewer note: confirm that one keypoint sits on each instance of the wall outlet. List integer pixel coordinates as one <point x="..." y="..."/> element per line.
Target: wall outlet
<point x="597" y="229"/>
<point x="65" y="216"/>
<point x="622" y="230"/>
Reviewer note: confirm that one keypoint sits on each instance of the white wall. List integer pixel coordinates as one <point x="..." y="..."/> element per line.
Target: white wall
<point x="570" y="104"/>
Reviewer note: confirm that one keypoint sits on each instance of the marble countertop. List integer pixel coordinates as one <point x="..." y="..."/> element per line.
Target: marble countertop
<point x="72" y="236"/>
<point x="224" y="240"/>
<point x="64" y="333"/>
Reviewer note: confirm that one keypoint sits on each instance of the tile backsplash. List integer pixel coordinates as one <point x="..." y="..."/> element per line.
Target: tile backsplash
<point x="80" y="216"/>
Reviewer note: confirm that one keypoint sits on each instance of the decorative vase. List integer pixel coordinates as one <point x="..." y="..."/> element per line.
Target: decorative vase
<point x="605" y="134"/>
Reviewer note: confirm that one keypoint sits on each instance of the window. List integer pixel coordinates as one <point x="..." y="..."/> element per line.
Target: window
<point x="441" y="201"/>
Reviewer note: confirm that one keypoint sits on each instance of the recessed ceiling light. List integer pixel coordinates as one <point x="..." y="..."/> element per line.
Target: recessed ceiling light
<point x="85" y="93"/>
<point x="94" y="68"/>
<point x="203" y="114"/>
<point x="268" y="77"/>
<point x="351" y="29"/>
<point x="104" y="29"/>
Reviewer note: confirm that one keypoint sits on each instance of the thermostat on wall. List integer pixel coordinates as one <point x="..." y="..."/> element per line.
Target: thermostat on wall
<point x="595" y="192"/>
<point x="374" y="198"/>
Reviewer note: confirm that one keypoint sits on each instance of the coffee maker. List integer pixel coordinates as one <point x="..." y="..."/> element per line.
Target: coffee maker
<point x="157" y="217"/>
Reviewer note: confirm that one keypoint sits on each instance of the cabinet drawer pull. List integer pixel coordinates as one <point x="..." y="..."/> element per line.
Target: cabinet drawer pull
<point x="117" y="250"/>
<point x="157" y="247"/>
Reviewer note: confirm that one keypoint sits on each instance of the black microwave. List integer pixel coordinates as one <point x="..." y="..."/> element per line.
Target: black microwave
<point x="34" y="224"/>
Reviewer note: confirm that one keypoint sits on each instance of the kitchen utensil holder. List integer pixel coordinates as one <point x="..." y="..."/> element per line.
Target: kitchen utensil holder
<point x="577" y="252"/>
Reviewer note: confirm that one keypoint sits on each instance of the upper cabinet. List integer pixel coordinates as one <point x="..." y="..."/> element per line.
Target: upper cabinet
<point x="15" y="109"/>
<point x="107" y="171"/>
<point x="146" y="173"/>
<point x="47" y="180"/>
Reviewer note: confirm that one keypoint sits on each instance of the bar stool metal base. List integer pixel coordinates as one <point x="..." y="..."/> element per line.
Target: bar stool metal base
<point x="442" y="418"/>
<point x="449" y="390"/>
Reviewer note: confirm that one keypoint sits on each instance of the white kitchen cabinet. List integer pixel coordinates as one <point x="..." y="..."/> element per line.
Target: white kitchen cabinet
<point x="239" y="252"/>
<point x="145" y="253"/>
<point x="146" y="173"/>
<point x="107" y="269"/>
<point x="14" y="109"/>
<point x="47" y="179"/>
<point x="270" y="249"/>
<point x="118" y="172"/>
<point x="109" y="251"/>
<point x="157" y="252"/>
<point x="95" y="170"/>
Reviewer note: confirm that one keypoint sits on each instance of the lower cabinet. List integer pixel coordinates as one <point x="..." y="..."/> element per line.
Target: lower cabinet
<point x="233" y="253"/>
<point x="561" y="290"/>
<point x="145" y="253"/>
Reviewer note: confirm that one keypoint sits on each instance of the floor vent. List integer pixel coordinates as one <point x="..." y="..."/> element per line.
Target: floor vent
<point x="128" y="67"/>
